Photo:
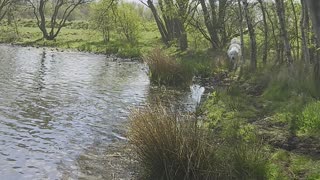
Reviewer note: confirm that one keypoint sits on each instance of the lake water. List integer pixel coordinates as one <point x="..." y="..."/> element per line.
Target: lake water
<point x="55" y="106"/>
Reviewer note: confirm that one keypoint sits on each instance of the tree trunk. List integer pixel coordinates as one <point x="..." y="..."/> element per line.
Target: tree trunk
<point x="39" y="12"/>
<point x="283" y="28"/>
<point x="159" y="22"/>
<point x="182" y="36"/>
<point x="4" y="7"/>
<point x="274" y="35"/>
<point x="314" y="6"/>
<point x="304" y="36"/>
<point x="253" y="44"/>
<point x="241" y="31"/>
<point x="172" y="24"/>
<point x="220" y="22"/>
<point x="266" y="29"/>
<point x="209" y="22"/>
<point x="297" y="49"/>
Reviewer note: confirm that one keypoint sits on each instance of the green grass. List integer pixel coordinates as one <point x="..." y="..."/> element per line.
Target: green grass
<point x="77" y="36"/>
<point x="287" y="165"/>
<point x="280" y="103"/>
<point x="309" y="120"/>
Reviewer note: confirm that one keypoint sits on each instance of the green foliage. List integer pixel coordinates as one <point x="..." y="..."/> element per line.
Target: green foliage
<point x="233" y="104"/>
<point x="204" y="63"/>
<point x="164" y="70"/>
<point x="128" y="22"/>
<point x="9" y="34"/>
<point x="102" y="17"/>
<point x="309" y="121"/>
<point x="288" y="91"/>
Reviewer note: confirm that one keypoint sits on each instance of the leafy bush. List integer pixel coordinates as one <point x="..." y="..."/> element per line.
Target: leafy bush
<point x="174" y="147"/>
<point x="310" y="119"/>
<point x="164" y="70"/>
<point x="8" y="35"/>
<point x="102" y="17"/>
<point x="128" y="23"/>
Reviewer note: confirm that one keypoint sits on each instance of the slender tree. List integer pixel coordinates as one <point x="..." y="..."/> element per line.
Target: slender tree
<point x="171" y="18"/>
<point x="4" y="7"/>
<point x="241" y="30"/>
<point x="304" y="31"/>
<point x="266" y="30"/>
<point x="314" y="6"/>
<point x="56" y="22"/>
<point x="160" y="24"/>
<point x="283" y="29"/>
<point x="252" y="35"/>
<point x="296" y="28"/>
<point x="214" y="15"/>
<point x="103" y="17"/>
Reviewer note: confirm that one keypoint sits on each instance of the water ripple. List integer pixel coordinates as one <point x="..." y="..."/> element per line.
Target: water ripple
<point x="54" y="106"/>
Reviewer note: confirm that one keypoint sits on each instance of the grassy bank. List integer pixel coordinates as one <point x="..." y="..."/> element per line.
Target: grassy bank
<point x="264" y="126"/>
<point x="77" y="36"/>
<point x="281" y="105"/>
<point x="178" y="67"/>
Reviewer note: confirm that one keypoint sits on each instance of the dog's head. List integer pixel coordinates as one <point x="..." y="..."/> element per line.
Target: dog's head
<point x="233" y="54"/>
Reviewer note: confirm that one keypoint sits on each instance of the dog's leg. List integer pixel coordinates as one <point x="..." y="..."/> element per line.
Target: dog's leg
<point x="235" y="65"/>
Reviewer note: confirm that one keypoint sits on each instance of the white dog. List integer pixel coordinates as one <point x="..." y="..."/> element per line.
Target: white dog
<point x="234" y="52"/>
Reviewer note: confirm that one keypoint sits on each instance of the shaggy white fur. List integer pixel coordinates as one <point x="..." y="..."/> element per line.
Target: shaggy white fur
<point x="234" y="52"/>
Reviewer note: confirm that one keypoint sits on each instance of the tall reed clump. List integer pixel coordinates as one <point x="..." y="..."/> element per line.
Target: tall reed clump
<point x="174" y="147"/>
<point x="165" y="70"/>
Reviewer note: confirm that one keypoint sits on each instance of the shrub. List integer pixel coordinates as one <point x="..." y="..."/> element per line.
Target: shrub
<point x="128" y="23"/>
<point x="9" y="34"/>
<point x="174" y="147"/>
<point x="309" y="121"/>
<point x="164" y="70"/>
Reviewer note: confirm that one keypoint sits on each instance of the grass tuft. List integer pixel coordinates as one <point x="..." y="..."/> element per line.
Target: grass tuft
<point x="164" y="70"/>
<point x="169" y="146"/>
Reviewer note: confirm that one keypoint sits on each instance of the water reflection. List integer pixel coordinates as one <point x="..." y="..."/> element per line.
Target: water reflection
<point x="56" y="107"/>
